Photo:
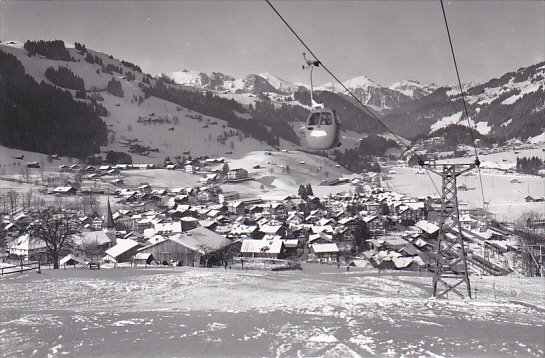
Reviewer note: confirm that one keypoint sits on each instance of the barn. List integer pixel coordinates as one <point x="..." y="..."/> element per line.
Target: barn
<point x="195" y="247"/>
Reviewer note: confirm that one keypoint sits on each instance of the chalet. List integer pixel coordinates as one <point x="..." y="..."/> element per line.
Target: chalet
<point x="429" y="230"/>
<point x="350" y="222"/>
<point x="191" y="169"/>
<point x="375" y="224"/>
<point x="320" y="238"/>
<point x="278" y="209"/>
<point x="406" y="214"/>
<point x="237" y="174"/>
<point x="263" y="248"/>
<point x="237" y="208"/>
<point x="189" y="223"/>
<point x="65" y="190"/>
<point x="245" y="231"/>
<point x="26" y="248"/>
<point x="167" y="228"/>
<point x="291" y="247"/>
<point x="329" y="251"/>
<point x="11" y="230"/>
<point x="408" y="263"/>
<point x="275" y="230"/>
<point x="205" y="195"/>
<point x="228" y="196"/>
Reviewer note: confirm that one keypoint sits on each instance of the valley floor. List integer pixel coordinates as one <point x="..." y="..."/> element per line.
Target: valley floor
<point x="319" y="311"/>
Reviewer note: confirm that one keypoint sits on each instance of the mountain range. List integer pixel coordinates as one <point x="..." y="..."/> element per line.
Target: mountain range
<point x="378" y="97"/>
<point x="217" y="114"/>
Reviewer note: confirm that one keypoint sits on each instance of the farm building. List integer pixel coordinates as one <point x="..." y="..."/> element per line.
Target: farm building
<point x="97" y="241"/>
<point x="123" y="251"/>
<point x="192" y="248"/>
<point x="26" y="248"/>
<point x="325" y="251"/>
<point x="263" y="248"/>
<point x="65" y="190"/>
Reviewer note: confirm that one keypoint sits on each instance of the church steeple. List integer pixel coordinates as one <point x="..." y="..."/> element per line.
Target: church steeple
<point x="109" y="224"/>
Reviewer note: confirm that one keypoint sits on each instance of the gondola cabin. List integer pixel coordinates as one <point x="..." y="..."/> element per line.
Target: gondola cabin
<point x="322" y="130"/>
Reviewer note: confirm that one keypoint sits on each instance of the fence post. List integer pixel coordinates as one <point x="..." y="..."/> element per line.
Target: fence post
<point x="21" y="266"/>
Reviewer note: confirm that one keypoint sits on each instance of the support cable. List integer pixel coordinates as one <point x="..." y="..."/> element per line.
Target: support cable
<point x="399" y="139"/>
<point x="477" y="161"/>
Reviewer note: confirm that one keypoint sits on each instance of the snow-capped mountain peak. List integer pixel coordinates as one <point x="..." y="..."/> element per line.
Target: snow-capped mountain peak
<point x="361" y="82"/>
<point x="413" y="89"/>
<point x="187" y="78"/>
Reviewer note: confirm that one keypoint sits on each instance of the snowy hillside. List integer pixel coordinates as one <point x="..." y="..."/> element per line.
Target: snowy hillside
<point x="413" y="89"/>
<point x="511" y="106"/>
<point x="166" y="128"/>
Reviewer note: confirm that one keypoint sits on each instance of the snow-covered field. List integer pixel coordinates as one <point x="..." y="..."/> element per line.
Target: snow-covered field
<point x="320" y="311"/>
<point x="504" y="199"/>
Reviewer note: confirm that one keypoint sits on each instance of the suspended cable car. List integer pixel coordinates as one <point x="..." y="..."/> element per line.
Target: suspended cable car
<point x="323" y="127"/>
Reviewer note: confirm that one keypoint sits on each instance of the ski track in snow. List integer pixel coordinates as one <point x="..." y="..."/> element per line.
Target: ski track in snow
<point x="319" y="311"/>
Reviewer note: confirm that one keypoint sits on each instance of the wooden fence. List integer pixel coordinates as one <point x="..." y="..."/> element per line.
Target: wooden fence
<point x="22" y="267"/>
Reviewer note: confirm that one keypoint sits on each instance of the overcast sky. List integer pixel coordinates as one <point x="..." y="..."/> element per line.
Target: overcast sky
<point x="387" y="41"/>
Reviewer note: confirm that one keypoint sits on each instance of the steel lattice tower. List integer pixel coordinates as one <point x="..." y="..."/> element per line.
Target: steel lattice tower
<point x="450" y="253"/>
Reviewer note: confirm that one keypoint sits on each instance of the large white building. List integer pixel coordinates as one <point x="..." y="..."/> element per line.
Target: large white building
<point x="237" y="174"/>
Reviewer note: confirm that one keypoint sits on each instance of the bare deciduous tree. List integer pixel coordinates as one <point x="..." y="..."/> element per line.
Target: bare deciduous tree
<point x="13" y="199"/>
<point x="55" y="230"/>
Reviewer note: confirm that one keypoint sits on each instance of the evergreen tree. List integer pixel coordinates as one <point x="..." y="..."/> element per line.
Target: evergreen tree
<point x="65" y="78"/>
<point x="114" y="87"/>
<point x="302" y="191"/>
<point x="44" y="118"/>
<point x="53" y="50"/>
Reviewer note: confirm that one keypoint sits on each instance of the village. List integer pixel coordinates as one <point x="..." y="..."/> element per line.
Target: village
<point x="368" y="227"/>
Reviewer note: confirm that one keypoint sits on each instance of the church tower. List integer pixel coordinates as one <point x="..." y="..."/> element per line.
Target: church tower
<point x="109" y="225"/>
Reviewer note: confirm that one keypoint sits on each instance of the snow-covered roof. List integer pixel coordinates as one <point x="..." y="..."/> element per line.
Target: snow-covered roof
<point x="320" y="235"/>
<point x="262" y="246"/>
<point x="325" y="248"/>
<point x="24" y="242"/>
<point x="270" y="229"/>
<point x="122" y="246"/>
<point x="67" y="258"/>
<point x="427" y="227"/>
<point x="201" y="239"/>
<point x="91" y="238"/>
